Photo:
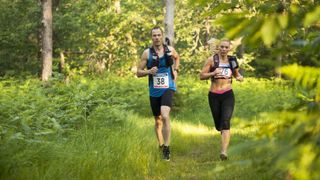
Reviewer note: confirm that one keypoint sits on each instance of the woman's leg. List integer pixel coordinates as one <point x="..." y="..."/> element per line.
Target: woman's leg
<point x="227" y="110"/>
<point x="215" y="109"/>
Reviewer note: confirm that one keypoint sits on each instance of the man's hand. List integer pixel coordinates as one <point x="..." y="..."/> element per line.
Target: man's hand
<point x="153" y="70"/>
<point x="239" y="78"/>
<point x="175" y="73"/>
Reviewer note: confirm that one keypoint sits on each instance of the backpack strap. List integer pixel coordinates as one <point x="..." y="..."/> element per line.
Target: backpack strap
<point x="216" y="62"/>
<point x="166" y="50"/>
<point x="155" y="58"/>
<point x="169" y="59"/>
<point x="233" y="63"/>
<point x="168" y="54"/>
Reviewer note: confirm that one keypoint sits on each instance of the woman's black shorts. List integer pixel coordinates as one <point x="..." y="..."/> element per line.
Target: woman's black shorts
<point x="221" y="106"/>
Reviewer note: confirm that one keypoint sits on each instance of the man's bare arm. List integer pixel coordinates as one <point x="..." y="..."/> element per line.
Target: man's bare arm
<point x="143" y="63"/>
<point x="176" y="58"/>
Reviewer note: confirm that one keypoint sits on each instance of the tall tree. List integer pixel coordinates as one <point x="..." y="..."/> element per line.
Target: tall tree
<point x="168" y="21"/>
<point x="46" y="39"/>
<point x="117" y="6"/>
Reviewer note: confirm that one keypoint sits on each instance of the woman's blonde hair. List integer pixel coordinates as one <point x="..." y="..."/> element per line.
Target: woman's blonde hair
<point x="226" y="40"/>
<point x="215" y="43"/>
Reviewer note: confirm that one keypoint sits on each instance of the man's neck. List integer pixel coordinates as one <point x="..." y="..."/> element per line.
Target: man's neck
<point x="158" y="47"/>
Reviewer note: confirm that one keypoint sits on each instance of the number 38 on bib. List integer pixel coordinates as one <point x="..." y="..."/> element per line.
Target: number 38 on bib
<point x="161" y="80"/>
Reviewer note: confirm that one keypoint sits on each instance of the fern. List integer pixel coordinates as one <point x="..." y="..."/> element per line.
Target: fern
<point x="288" y="142"/>
<point x="307" y="77"/>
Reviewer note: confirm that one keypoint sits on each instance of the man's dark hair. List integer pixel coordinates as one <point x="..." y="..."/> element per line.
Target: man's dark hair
<point x="156" y="27"/>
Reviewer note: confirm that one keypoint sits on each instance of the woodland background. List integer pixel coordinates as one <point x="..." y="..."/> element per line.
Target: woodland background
<point x="71" y="106"/>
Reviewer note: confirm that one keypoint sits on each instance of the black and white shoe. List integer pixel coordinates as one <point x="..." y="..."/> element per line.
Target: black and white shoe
<point x="166" y="153"/>
<point x="223" y="157"/>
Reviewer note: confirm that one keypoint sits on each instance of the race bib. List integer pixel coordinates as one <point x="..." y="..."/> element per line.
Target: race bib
<point x="161" y="80"/>
<point x="225" y="73"/>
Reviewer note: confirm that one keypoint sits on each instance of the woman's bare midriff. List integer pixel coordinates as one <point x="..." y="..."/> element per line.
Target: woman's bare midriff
<point x="220" y="85"/>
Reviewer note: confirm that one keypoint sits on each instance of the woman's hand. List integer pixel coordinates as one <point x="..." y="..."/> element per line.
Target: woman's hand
<point x="216" y="71"/>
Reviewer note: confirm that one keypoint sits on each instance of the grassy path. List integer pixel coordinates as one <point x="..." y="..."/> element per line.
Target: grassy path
<point x="114" y="135"/>
<point x="195" y="152"/>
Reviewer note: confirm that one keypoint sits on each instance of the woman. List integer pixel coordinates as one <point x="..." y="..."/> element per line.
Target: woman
<point x="220" y="68"/>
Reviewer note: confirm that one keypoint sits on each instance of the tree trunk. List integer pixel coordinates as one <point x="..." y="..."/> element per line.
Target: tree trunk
<point x="62" y="62"/>
<point x="279" y="59"/>
<point x="46" y="40"/>
<point x="168" y="21"/>
<point x="207" y="26"/>
<point x="280" y="55"/>
<point x="117" y="6"/>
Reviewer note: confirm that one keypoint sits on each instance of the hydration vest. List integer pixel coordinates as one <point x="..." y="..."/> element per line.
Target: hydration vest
<point x="156" y="59"/>
<point x="232" y="61"/>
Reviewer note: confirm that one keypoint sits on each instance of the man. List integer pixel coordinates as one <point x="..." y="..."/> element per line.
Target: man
<point x="162" y="64"/>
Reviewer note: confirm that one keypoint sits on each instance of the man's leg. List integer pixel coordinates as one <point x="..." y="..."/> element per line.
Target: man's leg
<point x="166" y="130"/>
<point x="166" y="103"/>
<point x="155" y="103"/>
<point x="158" y="129"/>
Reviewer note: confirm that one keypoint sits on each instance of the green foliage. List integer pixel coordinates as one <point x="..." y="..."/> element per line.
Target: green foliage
<point x="55" y="109"/>
<point x="92" y="33"/>
<point x="277" y="32"/>
<point x="312" y="17"/>
<point x="288" y="142"/>
<point x="19" y="41"/>
<point x="70" y="124"/>
<point x="307" y="77"/>
<point x="94" y="37"/>
<point x="102" y="128"/>
<point x="102" y="35"/>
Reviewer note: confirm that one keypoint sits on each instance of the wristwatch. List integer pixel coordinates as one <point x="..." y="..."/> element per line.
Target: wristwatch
<point x="176" y="70"/>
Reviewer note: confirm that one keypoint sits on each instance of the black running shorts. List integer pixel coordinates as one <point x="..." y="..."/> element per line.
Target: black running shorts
<point x="164" y="100"/>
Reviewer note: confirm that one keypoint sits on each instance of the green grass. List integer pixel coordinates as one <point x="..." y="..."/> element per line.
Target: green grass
<point x="103" y="129"/>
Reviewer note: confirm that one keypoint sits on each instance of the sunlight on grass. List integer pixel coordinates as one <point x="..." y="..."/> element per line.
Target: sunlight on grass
<point x="189" y="129"/>
<point x="241" y="127"/>
<point x="182" y="127"/>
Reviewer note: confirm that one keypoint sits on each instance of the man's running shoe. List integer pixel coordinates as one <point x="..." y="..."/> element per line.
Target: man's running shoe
<point x="166" y="153"/>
